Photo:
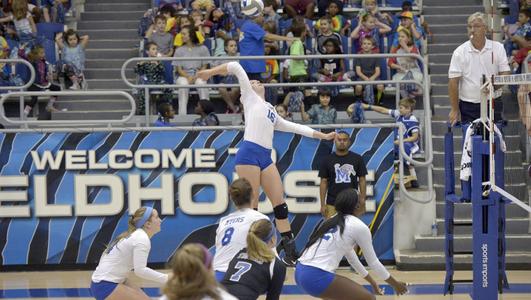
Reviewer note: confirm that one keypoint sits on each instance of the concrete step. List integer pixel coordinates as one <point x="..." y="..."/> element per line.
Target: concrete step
<point x="517" y="190"/>
<point x="117" y="6"/>
<point x="439" y="10"/>
<point x="111" y="53"/>
<point x="104" y="63"/>
<point x="439" y="88"/>
<point x="512" y="142"/>
<point x="440" y="100"/>
<point x="440" y="58"/>
<point x="512" y="226"/>
<point x="439" y="78"/>
<point x="112" y="15"/>
<point x="100" y="104"/>
<point x="414" y="260"/>
<point x="107" y="84"/>
<point x="442" y="110"/>
<point x="514" y="242"/>
<point x="455" y="3"/>
<point x="111" y="33"/>
<point x="512" y="175"/>
<point x="447" y="28"/>
<point x="464" y="210"/>
<point x="113" y="44"/>
<point x="107" y="73"/>
<point x="444" y="38"/>
<point x="91" y="115"/>
<point x="512" y="158"/>
<point x="442" y="48"/>
<point x="454" y="18"/>
<point x="88" y="25"/>
<point x="437" y="69"/>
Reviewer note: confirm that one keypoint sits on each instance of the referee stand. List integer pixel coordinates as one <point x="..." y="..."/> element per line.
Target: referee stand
<point x="488" y="219"/>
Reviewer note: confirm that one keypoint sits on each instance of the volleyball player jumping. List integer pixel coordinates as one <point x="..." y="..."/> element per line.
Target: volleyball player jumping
<point x="253" y="159"/>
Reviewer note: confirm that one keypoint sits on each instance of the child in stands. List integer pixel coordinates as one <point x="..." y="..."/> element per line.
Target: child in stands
<point x="73" y="47"/>
<point x="322" y="113"/>
<point x="407" y="68"/>
<point x="157" y="34"/>
<point x="325" y="33"/>
<point x="368" y="26"/>
<point x="331" y="69"/>
<point x="368" y="69"/>
<point x="166" y="114"/>
<point x="339" y="23"/>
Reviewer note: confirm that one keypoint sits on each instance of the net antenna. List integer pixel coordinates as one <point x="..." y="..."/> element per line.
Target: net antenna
<point x="488" y="93"/>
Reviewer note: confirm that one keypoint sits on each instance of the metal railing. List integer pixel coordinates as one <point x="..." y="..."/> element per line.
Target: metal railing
<point x="424" y="84"/>
<point x="24" y="122"/>
<point x="22" y="87"/>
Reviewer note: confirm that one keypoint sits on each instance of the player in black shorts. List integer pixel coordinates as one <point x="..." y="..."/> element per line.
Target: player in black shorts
<point x="256" y="270"/>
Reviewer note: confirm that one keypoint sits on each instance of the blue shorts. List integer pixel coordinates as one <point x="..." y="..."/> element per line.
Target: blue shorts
<point x="410" y="148"/>
<point x="312" y="280"/>
<point x="219" y="275"/>
<point x="102" y="289"/>
<point x="253" y="154"/>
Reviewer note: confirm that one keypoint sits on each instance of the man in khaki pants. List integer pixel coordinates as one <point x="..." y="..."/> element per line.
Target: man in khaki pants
<point x="341" y="170"/>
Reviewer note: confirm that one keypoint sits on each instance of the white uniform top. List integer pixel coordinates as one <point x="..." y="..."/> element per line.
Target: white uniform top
<point x="327" y="252"/>
<point x="222" y="294"/>
<point x="231" y="235"/>
<point x="470" y="64"/>
<point x="261" y="118"/>
<point x="130" y="253"/>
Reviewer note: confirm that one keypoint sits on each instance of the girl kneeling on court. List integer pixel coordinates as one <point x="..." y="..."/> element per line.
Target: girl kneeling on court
<point x="335" y="238"/>
<point x="129" y="251"/>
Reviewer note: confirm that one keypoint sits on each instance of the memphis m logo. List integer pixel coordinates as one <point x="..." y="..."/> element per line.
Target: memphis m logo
<point x="343" y="173"/>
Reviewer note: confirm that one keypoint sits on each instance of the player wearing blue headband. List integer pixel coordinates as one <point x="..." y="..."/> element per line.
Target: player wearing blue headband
<point x="129" y="251"/>
<point x="255" y="270"/>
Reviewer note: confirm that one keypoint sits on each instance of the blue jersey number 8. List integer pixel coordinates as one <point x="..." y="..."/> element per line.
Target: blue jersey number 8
<point x="227" y="236"/>
<point x="271" y="116"/>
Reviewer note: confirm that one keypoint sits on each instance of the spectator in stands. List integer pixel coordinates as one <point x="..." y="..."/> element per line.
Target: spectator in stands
<point x="325" y="33"/>
<point x="252" y="37"/>
<point x="23" y="21"/>
<point x="73" y="48"/>
<point x="371" y="7"/>
<point x="202" y="5"/>
<point x="54" y="10"/>
<point x="331" y="69"/>
<point x="339" y="23"/>
<point x="272" y="73"/>
<point x="282" y="110"/>
<point x="368" y="25"/>
<point x="168" y="11"/>
<point x="151" y="72"/>
<point x="186" y="21"/>
<point x="205" y="109"/>
<point x="157" y="34"/>
<point x="518" y="39"/>
<point x="464" y="84"/>
<point x="176" y="4"/>
<point x="293" y="101"/>
<point x="322" y="113"/>
<point x="405" y="116"/>
<point x="166" y="114"/>
<point x="43" y="78"/>
<point x="407" y="68"/>
<point x="299" y="8"/>
<point x="368" y="69"/>
<point x="270" y="13"/>
<point x="198" y="21"/>
<point x="218" y="23"/>
<point x="407" y="22"/>
<point x="185" y="71"/>
<point x="298" y="71"/>
<point x="230" y="96"/>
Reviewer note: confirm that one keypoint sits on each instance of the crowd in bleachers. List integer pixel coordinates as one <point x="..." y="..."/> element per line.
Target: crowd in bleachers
<point x="216" y="28"/>
<point x="35" y="31"/>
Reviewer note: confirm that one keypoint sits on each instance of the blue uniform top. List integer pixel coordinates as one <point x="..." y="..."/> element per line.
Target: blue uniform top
<point x="252" y="44"/>
<point x="410" y="122"/>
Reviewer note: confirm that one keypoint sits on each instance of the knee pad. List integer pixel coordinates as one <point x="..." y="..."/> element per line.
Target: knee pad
<point x="281" y="211"/>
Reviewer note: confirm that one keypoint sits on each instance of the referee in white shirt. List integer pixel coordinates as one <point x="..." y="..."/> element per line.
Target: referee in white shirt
<point x="470" y="61"/>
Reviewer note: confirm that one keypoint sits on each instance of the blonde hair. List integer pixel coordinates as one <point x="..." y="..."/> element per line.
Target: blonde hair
<point x="257" y="248"/>
<point x="408" y="33"/>
<point x="477" y="15"/>
<point x="19" y="9"/>
<point x="407" y="102"/>
<point x="139" y="213"/>
<point x="191" y="279"/>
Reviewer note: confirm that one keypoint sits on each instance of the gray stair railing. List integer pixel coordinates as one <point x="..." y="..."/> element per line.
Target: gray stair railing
<point x="22" y="87"/>
<point x="424" y="84"/>
<point x="23" y="122"/>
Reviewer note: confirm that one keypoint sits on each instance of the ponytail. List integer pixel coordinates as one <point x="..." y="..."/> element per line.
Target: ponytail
<point x="192" y="276"/>
<point x="131" y="226"/>
<point x="260" y="233"/>
<point x="345" y="204"/>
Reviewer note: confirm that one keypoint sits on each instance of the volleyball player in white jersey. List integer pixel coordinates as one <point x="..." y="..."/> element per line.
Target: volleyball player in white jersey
<point x="335" y="238"/>
<point x="253" y="159"/>
<point x="231" y="235"/>
<point x="129" y="251"/>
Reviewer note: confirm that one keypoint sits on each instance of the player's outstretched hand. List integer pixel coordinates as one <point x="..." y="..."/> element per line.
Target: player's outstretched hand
<point x="204" y="74"/>
<point x="330" y="136"/>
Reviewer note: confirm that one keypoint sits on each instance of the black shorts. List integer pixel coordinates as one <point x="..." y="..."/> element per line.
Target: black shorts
<point x="472" y="111"/>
